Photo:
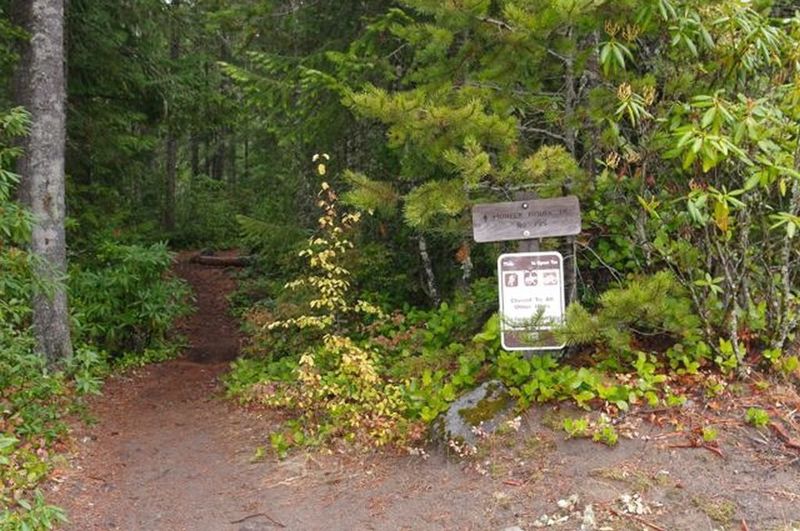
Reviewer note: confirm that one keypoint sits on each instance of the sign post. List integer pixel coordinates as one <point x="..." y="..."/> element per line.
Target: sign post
<point x="532" y="297"/>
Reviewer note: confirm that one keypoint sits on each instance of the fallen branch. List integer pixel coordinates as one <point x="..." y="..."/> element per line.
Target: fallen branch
<point x="222" y="261"/>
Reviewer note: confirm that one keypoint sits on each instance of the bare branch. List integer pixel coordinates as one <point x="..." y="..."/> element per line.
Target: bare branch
<point x="499" y="23"/>
<point x="529" y="129"/>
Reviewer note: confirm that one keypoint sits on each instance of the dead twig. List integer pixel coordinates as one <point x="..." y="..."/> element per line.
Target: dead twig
<point x="712" y="449"/>
<point x="637" y="518"/>
<point x="258" y="515"/>
<point x="784" y="494"/>
<point x="788" y="440"/>
<point x="780" y="493"/>
<point x="653" y="411"/>
<point x="759" y="440"/>
<point x="669" y="435"/>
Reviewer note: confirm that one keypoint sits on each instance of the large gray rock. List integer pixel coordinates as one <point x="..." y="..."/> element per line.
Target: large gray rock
<point x="485" y="407"/>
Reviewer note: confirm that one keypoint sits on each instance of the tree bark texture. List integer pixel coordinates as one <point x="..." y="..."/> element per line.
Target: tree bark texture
<point x="40" y="87"/>
<point x="172" y="141"/>
<point x="194" y="148"/>
<point x="170" y="178"/>
<point x="430" y="276"/>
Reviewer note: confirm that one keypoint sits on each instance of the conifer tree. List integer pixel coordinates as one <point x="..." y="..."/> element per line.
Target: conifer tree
<point x="41" y="90"/>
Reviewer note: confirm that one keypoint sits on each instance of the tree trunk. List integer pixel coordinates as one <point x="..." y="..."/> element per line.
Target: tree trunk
<point x="171" y="171"/>
<point x="40" y="88"/>
<point x="170" y="178"/>
<point x="246" y="156"/>
<point x="218" y="163"/>
<point x="208" y="157"/>
<point x="233" y="148"/>
<point x="194" y="147"/>
<point x="570" y="138"/>
<point x="430" y="277"/>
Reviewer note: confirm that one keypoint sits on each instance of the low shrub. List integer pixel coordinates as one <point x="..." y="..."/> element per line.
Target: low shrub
<point x="124" y="300"/>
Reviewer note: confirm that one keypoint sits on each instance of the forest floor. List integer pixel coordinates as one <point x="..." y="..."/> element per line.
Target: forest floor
<point x="167" y="452"/>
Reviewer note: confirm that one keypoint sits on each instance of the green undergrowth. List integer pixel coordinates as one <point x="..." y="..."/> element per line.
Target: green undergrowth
<point x="382" y="376"/>
<point x="34" y="403"/>
<point x="639" y="346"/>
<point x="124" y="298"/>
<point x="424" y="367"/>
<point x="123" y="305"/>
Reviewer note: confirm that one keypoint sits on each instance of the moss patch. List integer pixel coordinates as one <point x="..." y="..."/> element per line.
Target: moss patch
<point x="537" y="445"/>
<point x="720" y="510"/>
<point x="485" y="410"/>
<point x="638" y="480"/>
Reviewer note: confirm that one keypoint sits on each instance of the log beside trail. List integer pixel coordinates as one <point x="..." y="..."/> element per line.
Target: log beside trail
<point x="222" y="261"/>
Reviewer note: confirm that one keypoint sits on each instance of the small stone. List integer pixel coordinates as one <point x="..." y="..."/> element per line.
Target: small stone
<point x="513" y="528"/>
<point x="589" y="522"/>
<point x="633" y="504"/>
<point x="568" y="503"/>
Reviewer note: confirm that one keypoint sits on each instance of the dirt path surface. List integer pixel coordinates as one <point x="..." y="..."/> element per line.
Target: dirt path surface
<point x="168" y="453"/>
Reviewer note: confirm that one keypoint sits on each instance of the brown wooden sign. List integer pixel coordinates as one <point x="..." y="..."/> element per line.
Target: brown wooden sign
<point x="523" y="220"/>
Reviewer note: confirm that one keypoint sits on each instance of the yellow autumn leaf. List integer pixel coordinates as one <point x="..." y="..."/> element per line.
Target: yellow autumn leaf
<point x="722" y="215"/>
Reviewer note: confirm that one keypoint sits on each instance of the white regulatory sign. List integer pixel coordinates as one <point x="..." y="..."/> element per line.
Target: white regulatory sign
<point x="531" y="299"/>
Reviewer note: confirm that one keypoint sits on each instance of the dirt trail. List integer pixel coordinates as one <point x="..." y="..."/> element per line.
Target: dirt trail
<point x="164" y="447"/>
<point x="167" y="453"/>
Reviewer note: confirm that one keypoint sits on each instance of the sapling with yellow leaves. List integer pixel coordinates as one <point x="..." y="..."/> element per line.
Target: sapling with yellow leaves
<point x="329" y="281"/>
<point x="338" y="390"/>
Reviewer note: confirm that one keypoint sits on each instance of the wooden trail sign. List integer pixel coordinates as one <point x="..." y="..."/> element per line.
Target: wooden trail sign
<point x="524" y="220"/>
<point x="531" y="284"/>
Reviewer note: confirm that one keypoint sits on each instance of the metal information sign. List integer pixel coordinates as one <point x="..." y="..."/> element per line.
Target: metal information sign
<point x="522" y="220"/>
<point x="531" y="299"/>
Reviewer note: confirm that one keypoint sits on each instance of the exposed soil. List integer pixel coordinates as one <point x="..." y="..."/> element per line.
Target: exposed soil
<point x="167" y="452"/>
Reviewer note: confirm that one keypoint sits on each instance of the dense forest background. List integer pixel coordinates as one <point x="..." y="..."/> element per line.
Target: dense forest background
<point x="341" y="146"/>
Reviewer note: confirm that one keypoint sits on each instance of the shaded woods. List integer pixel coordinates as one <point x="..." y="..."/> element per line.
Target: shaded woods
<point x="339" y="147"/>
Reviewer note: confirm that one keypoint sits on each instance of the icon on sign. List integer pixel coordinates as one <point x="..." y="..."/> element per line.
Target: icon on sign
<point x="550" y="279"/>
<point x="511" y="280"/>
<point x="531" y="278"/>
